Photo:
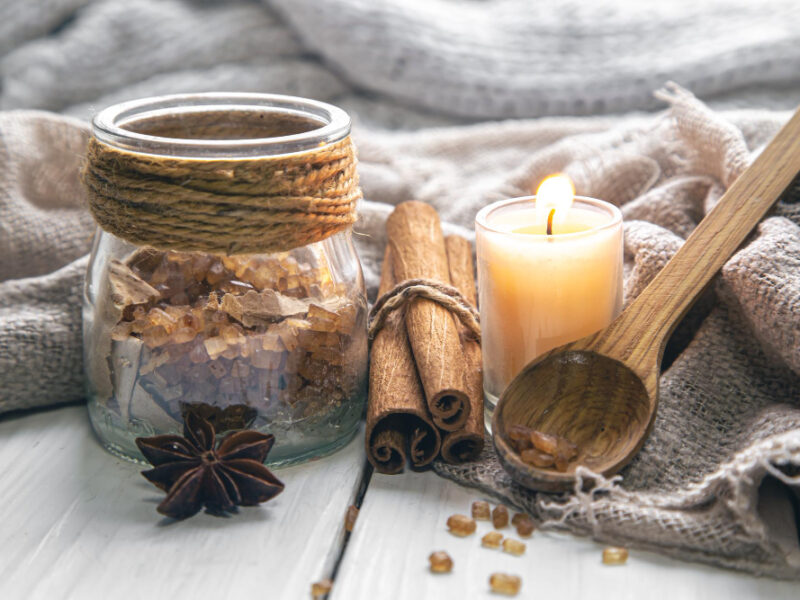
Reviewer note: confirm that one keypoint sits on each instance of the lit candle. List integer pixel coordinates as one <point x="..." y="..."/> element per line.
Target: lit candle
<point x="549" y="272"/>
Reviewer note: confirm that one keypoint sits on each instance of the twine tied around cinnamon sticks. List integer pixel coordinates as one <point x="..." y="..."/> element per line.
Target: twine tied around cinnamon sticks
<point x="445" y="295"/>
<point x="223" y="206"/>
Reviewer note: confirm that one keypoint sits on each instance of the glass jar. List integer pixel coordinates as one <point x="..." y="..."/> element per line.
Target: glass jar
<point x="274" y="341"/>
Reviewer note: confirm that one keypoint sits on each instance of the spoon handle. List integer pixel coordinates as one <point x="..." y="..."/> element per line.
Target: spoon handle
<point x="646" y="324"/>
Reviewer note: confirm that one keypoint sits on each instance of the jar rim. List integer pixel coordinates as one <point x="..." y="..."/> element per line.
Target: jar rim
<point x="108" y="126"/>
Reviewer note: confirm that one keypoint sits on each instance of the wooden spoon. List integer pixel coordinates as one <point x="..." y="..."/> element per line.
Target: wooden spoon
<point x="601" y="392"/>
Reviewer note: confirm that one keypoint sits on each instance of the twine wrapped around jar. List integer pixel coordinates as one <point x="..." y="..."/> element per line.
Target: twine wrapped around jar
<point x="223" y="206"/>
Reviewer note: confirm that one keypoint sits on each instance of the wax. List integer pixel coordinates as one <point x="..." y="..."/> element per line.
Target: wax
<point x="539" y="291"/>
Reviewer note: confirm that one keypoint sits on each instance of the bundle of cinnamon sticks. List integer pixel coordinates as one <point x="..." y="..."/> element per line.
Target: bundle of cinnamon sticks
<point x="426" y="381"/>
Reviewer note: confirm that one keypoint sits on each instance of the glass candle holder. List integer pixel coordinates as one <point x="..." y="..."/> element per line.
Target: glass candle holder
<point x="274" y="341"/>
<point x="540" y="291"/>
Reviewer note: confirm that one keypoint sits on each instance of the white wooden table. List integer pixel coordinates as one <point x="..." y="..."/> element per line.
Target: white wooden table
<point x="79" y="523"/>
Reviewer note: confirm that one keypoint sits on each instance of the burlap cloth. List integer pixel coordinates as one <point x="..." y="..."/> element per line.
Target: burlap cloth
<point x="712" y="483"/>
<point x="718" y="479"/>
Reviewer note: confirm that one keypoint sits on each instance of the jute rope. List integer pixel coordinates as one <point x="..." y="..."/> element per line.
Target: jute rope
<point x="445" y="295"/>
<point x="230" y="206"/>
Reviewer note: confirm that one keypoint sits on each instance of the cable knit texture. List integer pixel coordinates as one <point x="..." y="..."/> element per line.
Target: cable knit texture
<point x="717" y="479"/>
<point x="402" y="62"/>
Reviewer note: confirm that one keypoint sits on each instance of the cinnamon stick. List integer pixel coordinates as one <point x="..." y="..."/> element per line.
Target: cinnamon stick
<point x="466" y="444"/>
<point x="397" y="414"/>
<point x="418" y="251"/>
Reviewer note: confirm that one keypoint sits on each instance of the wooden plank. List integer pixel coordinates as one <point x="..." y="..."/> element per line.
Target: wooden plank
<point x="78" y="522"/>
<point x="402" y="520"/>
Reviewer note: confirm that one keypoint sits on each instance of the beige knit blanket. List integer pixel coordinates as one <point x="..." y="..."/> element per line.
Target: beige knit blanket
<point x="716" y="482"/>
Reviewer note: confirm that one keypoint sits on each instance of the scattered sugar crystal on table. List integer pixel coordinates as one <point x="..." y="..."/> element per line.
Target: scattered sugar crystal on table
<point x="440" y="562"/>
<point x="503" y="583"/>
<point x="614" y="555"/>
<point x="481" y="510"/>
<point x="492" y="539"/>
<point x="500" y="516"/>
<point x="461" y="525"/>
<point x="512" y="546"/>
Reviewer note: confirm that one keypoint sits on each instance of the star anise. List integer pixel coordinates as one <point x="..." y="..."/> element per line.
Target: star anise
<point x="195" y="472"/>
<point x="235" y="416"/>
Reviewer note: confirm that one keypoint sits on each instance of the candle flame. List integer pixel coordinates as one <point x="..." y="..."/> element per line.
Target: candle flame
<point x="555" y="193"/>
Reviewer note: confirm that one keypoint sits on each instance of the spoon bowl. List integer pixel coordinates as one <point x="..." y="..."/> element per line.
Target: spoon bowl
<point x="593" y="400"/>
<point x="601" y="392"/>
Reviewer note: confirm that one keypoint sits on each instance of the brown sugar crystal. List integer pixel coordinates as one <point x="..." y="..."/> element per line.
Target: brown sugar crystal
<point x="512" y="546"/>
<point x="492" y="539"/>
<point x="561" y="462"/>
<point x="263" y="331"/>
<point x="500" y="516"/>
<point x="542" y="450"/>
<point x="481" y="510"/>
<point x="461" y="525"/>
<point x="440" y="562"/>
<point x="350" y="518"/>
<point x="520" y="437"/>
<point x="544" y="442"/>
<point x="615" y="555"/>
<point x="537" y="458"/>
<point x="502" y="583"/>
<point x="566" y="448"/>
<point x="524" y="526"/>
<point x="320" y="589"/>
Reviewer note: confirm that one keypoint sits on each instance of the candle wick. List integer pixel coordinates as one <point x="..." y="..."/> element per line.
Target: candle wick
<point x="550" y="221"/>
